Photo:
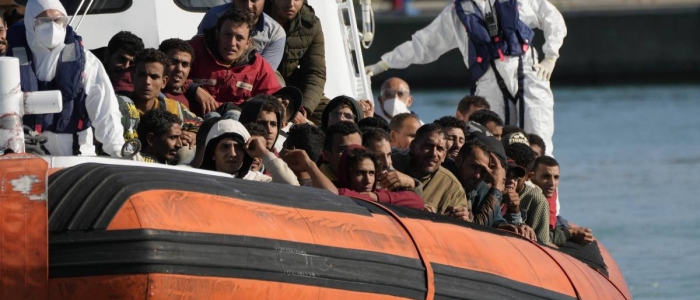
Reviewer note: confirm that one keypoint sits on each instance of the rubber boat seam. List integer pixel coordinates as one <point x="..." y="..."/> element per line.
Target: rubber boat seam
<point x="429" y="276"/>
<point x="82" y="202"/>
<point x="130" y="251"/>
<point x="613" y="284"/>
<point x="573" y="286"/>
<point x="137" y="235"/>
<point x="496" y="282"/>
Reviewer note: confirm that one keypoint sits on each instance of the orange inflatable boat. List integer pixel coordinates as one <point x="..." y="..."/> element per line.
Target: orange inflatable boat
<point x="101" y="231"/>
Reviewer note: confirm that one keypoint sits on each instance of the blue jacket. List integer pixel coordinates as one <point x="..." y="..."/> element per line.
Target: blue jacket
<point x="69" y="74"/>
<point x="513" y="40"/>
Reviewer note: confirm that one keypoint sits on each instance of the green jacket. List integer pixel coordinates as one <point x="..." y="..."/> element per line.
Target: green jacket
<point x="304" y="62"/>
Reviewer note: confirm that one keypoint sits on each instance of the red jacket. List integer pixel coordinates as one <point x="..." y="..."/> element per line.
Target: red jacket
<point x="553" y="210"/>
<point x="402" y="198"/>
<point x="231" y="83"/>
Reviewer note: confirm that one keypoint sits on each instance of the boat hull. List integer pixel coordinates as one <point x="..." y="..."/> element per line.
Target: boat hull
<point x="123" y="232"/>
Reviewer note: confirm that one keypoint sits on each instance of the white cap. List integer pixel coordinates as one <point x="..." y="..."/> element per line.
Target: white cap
<point x="226" y="126"/>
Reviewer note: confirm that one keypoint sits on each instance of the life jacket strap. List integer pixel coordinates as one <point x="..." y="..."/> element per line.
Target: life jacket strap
<point x="517" y="99"/>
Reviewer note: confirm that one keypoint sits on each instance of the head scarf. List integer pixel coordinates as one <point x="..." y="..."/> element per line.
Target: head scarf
<point x="45" y="60"/>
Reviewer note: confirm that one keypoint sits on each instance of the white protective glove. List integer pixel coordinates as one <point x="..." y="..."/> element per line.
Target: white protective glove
<point x="544" y="68"/>
<point x="377" y="68"/>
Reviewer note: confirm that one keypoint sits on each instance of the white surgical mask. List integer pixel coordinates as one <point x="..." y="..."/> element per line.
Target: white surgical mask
<point x="50" y="35"/>
<point x="394" y="107"/>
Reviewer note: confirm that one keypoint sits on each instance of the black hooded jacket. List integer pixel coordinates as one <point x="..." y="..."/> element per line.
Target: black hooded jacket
<point x="337" y="101"/>
<point x="253" y="106"/>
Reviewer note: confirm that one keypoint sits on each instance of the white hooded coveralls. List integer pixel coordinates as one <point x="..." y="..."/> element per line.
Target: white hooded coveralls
<point x="446" y="32"/>
<point x="101" y="102"/>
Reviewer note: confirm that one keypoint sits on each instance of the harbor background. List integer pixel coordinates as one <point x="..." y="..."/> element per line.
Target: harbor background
<point x="608" y="42"/>
<point x="630" y="166"/>
<point x="627" y="126"/>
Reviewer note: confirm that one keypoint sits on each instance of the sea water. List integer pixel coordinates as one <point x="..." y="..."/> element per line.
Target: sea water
<point x="630" y="170"/>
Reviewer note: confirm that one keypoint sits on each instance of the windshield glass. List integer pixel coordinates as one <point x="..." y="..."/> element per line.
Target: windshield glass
<point x="199" y="5"/>
<point x="98" y="6"/>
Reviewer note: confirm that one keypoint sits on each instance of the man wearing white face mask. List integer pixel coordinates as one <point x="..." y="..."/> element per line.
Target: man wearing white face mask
<point x="52" y="57"/>
<point x="394" y="98"/>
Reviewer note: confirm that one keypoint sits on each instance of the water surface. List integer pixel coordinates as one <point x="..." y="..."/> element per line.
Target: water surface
<point x="630" y="158"/>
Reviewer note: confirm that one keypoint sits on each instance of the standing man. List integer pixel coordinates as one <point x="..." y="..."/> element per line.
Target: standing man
<point x="52" y="57"/>
<point x="539" y="100"/>
<point x="492" y="56"/>
<point x="304" y="64"/>
<point x="268" y="35"/>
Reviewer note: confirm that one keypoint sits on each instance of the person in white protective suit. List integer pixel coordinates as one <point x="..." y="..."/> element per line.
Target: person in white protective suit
<point x="539" y="100"/>
<point x="447" y="32"/>
<point x="52" y="58"/>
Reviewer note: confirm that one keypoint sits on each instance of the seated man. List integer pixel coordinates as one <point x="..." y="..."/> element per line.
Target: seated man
<point x="514" y="138"/>
<point x="374" y="122"/>
<point x="490" y="120"/>
<point x="52" y="57"/>
<point x="201" y="139"/>
<point x="119" y="56"/>
<point x="468" y="105"/>
<point x="537" y="144"/>
<point x="341" y="108"/>
<point x="545" y="174"/>
<point x="230" y="149"/>
<point x="227" y="66"/>
<point x="268" y="37"/>
<point x="159" y="134"/>
<point x="180" y="54"/>
<point x="290" y="98"/>
<point x="264" y="110"/>
<point x="403" y="130"/>
<point x="308" y="138"/>
<point x="394" y="98"/>
<point x="377" y="141"/>
<point x="150" y="76"/>
<point x="3" y="35"/>
<point x="357" y="178"/>
<point x="304" y="64"/>
<point x="338" y="137"/>
<point x="256" y="130"/>
<point x="479" y="166"/>
<point x="456" y="134"/>
<point x="441" y="190"/>
<point x="532" y="200"/>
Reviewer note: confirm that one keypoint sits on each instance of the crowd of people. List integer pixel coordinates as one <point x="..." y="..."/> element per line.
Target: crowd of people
<point x="245" y="97"/>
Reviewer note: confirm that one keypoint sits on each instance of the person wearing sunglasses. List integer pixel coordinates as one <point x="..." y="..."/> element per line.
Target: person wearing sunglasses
<point x="52" y="57"/>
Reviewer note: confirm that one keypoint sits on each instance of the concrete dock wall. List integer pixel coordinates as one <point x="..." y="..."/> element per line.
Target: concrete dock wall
<point x="601" y="47"/>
